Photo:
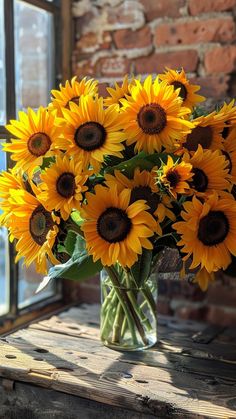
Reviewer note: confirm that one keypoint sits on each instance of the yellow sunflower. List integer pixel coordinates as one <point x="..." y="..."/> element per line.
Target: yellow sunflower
<point x="34" y="228"/>
<point x="114" y="230"/>
<point x="9" y="182"/>
<point x="206" y="132"/>
<point x="92" y="132"/>
<point x="143" y="186"/>
<point x="228" y="114"/>
<point x="175" y="177"/>
<point x="63" y="185"/>
<point x="210" y="171"/>
<point x="203" y="278"/>
<point x="118" y="92"/>
<point x="36" y="134"/>
<point x="186" y="91"/>
<point x="71" y="92"/>
<point x="229" y="152"/>
<point x="208" y="232"/>
<point x="153" y="117"/>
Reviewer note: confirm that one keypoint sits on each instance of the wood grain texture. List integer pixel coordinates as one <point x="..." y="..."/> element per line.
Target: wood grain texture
<point x="181" y="377"/>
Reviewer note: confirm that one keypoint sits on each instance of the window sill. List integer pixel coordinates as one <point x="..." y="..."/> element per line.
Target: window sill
<point x="61" y="365"/>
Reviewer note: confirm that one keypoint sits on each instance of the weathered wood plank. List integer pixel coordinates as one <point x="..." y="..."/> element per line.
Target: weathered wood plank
<point x="47" y="360"/>
<point x="32" y="402"/>
<point x="181" y="337"/>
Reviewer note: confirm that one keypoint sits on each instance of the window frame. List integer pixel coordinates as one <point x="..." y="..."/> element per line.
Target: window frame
<point x="61" y="11"/>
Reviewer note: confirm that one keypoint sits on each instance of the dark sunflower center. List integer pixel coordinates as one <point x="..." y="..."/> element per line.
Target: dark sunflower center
<point x="229" y="161"/>
<point x="213" y="228"/>
<point x="225" y="131"/>
<point x="183" y="91"/>
<point x="74" y="99"/>
<point x="199" y="135"/>
<point x="90" y="136"/>
<point x="38" y="144"/>
<point x="152" y="118"/>
<point x="173" y="177"/>
<point x="145" y="192"/>
<point x="113" y="225"/>
<point x="200" y="180"/>
<point x="39" y="224"/>
<point x="66" y="185"/>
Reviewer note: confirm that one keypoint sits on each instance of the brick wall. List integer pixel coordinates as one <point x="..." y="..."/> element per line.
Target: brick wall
<point x="115" y="37"/>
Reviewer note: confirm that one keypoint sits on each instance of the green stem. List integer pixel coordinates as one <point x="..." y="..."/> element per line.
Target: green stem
<point x="107" y="315"/>
<point x="117" y="324"/>
<point x="139" y="312"/>
<point x="150" y="300"/>
<point x="126" y="303"/>
<point x="123" y="300"/>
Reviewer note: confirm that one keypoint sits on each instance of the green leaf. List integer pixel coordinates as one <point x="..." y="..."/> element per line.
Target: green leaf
<point x="129" y="166"/>
<point x="142" y="160"/>
<point x="76" y="217"/>
<point x="141" y="269"/>
<point x="78" y="268"/>
<point x="70" y="242"/>
<point x="158" y="158"/>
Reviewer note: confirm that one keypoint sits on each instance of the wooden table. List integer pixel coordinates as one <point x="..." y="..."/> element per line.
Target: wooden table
<point x="57" y="368"/>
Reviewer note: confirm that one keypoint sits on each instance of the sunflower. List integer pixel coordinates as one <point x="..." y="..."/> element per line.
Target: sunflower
<point x="143" y="186"/>
<point x="63" y="185"/>
<point x="175" y="176"/>
<point x="71" y="92"/>
<point x="36" y="134"/>
<point x="229" y="152"/>
<point x="210" y="171"/>
<point x="206" y="132"/>
<point x="228" y="114"/>
<point x="118" y="92"/>
<point x="34" y="228"/>
<point x="9" y="181"/>
<point x="114" y="230"/>
<point x="152" y="116"/>
<point x="186" y="91"/>
<point x="208" y="232"/>
<point x="203" y="278"/>
<point x="92" y="132"/>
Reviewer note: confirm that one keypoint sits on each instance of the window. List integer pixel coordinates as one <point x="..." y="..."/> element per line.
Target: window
<point x="30" y="63"/>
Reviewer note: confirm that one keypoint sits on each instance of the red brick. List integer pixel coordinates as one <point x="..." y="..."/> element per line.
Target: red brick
<point x="91" y="41"/>
<point x="163" y="306"/>
<point x="102" y="89"/>
<point x="126" y="38"/>
<point x="196" y="31"/>
<point x="220" y="59"/>
<point x="197" y="7"/>
<point x="112" y="66"/>
<point x="161" y="8"/>
<point x="212" y="86"/>
<point x="222" y="316"/>
<point x="157" y="62"/>
<point x="85" y="68"/>
<point x="222" y="295"/>
<point x="191" y="313"/>
<point x="125" y="15"/>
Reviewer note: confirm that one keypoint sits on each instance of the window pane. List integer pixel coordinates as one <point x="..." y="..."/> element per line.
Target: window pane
<point x="29" y="280"/>
<point x="34" y="52"/>
<point x="2" y="68"/>
<point x="4" y="271"/>
<point x="34" y="66"/>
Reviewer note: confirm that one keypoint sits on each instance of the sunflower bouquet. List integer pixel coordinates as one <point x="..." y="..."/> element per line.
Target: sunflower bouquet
<point x="104" y="184"/>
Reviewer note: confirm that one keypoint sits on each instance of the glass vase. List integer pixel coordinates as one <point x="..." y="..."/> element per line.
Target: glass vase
<point x="128" y="311"/>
